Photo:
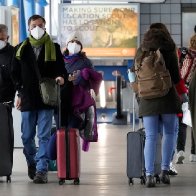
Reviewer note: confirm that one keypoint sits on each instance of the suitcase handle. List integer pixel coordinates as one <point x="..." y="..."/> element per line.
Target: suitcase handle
<point x="59" y="105"/>
<point x="133" y="111"/>
<point x="134" y="116"/>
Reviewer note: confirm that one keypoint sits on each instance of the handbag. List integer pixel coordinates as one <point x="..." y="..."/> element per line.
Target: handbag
<point x="88" y="132"/>
<point x="186" y="119"/>
<point x="48" y="89"/>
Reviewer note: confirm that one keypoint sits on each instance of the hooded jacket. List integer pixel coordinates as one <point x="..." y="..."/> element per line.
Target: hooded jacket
<point x="156" y="39"/>
<point x="7" y="90"/>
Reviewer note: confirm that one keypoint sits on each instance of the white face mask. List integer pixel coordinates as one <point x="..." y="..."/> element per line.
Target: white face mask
<point x="37" y="32"/>
<point x="2" y="44"/>
<point x="73" y="48"/>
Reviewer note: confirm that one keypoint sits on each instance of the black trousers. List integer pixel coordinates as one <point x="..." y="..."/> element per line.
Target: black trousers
<point x="181" y="140"/>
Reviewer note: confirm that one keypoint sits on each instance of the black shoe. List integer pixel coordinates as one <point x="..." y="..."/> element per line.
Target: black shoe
<point x="150" y="181"/>
<point x="41" y="178"/>
<point x="31" y="171"/>
<point x="172" y="173"/>
<point x="165" y="177"/>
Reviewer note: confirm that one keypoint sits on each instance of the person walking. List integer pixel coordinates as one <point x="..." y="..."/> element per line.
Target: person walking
<point x="82" y="78"/>
<point x="37" y="50"/>
<point x="181" y="139"/>
<point x="187" y="62"/>
<point x="159" y="112"/>
<point x="7" y="94"/>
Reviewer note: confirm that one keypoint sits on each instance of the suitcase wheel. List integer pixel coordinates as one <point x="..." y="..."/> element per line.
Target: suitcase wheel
<point x="8" y="179"/>
<point x="131" y="181"/>
<point x="143" y="180"/>
<point x="61" y="181"/>
<point x="76" y="181"/>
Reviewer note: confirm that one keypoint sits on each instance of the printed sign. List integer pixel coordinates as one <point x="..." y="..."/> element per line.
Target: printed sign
<point x="104" y="30"/>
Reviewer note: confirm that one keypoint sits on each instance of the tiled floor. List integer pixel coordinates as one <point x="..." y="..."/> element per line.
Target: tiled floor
<point x="103" y="173"/>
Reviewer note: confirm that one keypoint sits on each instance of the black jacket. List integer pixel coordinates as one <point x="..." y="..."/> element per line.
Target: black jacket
<point x="25" y="77"/>
<point x="7" y="90"/>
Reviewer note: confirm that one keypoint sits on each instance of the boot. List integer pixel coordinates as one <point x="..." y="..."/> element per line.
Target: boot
<point x="150" y="181"/>
<point x="165" y="177"/>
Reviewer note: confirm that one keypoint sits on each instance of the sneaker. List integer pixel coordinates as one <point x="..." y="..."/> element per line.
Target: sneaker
<point x="180" y="157"/>
<point x="172" y="170"/>
<point x="165" y="177"/>
<point x="150" y="181"/>
<point x="31" y="171"/>
<point x="192" y="158"/>
<point x="41" y="178"/>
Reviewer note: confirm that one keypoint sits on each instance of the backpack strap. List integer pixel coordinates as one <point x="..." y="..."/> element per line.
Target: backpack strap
<point x="138" y="66"/>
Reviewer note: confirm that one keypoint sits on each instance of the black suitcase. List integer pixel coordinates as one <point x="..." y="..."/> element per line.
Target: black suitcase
<point x="135" y="154"/>
<point x="6" y="141"/>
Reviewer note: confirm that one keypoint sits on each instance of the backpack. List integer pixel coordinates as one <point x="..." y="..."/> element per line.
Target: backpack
<point x="153" y="78"/>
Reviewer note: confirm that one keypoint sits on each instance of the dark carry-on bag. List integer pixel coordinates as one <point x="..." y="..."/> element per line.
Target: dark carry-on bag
<point x="135" y="154"/>
<point x="6" y="141"/>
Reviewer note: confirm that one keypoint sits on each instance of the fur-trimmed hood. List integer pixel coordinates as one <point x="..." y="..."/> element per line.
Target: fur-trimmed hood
<point x="156" y="38"/>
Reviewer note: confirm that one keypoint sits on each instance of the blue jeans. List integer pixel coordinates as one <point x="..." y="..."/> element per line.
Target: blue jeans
<point x="43" y="120"/>
<point x="152" y="128"/>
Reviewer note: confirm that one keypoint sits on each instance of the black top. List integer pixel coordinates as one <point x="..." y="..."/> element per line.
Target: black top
<point x="7" y="91"/>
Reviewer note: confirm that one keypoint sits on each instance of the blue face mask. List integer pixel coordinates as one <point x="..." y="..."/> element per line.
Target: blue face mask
<point x="131" y="76"/>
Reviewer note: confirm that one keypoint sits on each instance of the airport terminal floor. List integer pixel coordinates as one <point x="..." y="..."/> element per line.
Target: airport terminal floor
<point x="103" y="172"/>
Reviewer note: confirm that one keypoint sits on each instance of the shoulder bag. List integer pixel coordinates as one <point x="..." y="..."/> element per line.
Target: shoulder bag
<point x="48" y="89"/>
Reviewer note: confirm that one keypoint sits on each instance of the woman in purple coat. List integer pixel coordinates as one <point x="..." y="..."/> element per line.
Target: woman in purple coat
<point x="82" y="78"/>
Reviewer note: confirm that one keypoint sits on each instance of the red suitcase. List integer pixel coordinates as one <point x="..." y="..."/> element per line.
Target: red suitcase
<point x="68" y="155"/>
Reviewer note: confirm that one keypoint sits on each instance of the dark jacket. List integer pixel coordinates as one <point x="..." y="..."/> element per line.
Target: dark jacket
<point x="7" y="90"/>
<point x="192" y="102"/>
<point x="155" y="39"/>
<point x="25" y="77"/>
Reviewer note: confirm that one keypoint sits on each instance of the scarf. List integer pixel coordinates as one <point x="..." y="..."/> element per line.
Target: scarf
<point x="76" y="62"/>
<point x="50" y="51"/>
<point x="71" y="59"/>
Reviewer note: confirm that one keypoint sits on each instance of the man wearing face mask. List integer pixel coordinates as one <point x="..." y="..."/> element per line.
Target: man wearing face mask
<point x="37" y="50"/>
<point x="7" y="90"/>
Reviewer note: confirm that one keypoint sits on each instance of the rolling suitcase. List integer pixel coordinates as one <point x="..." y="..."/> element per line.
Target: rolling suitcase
<point x="6" y="141"/>
<point x="68" y="153"/>
<point x="135" y="154"/>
